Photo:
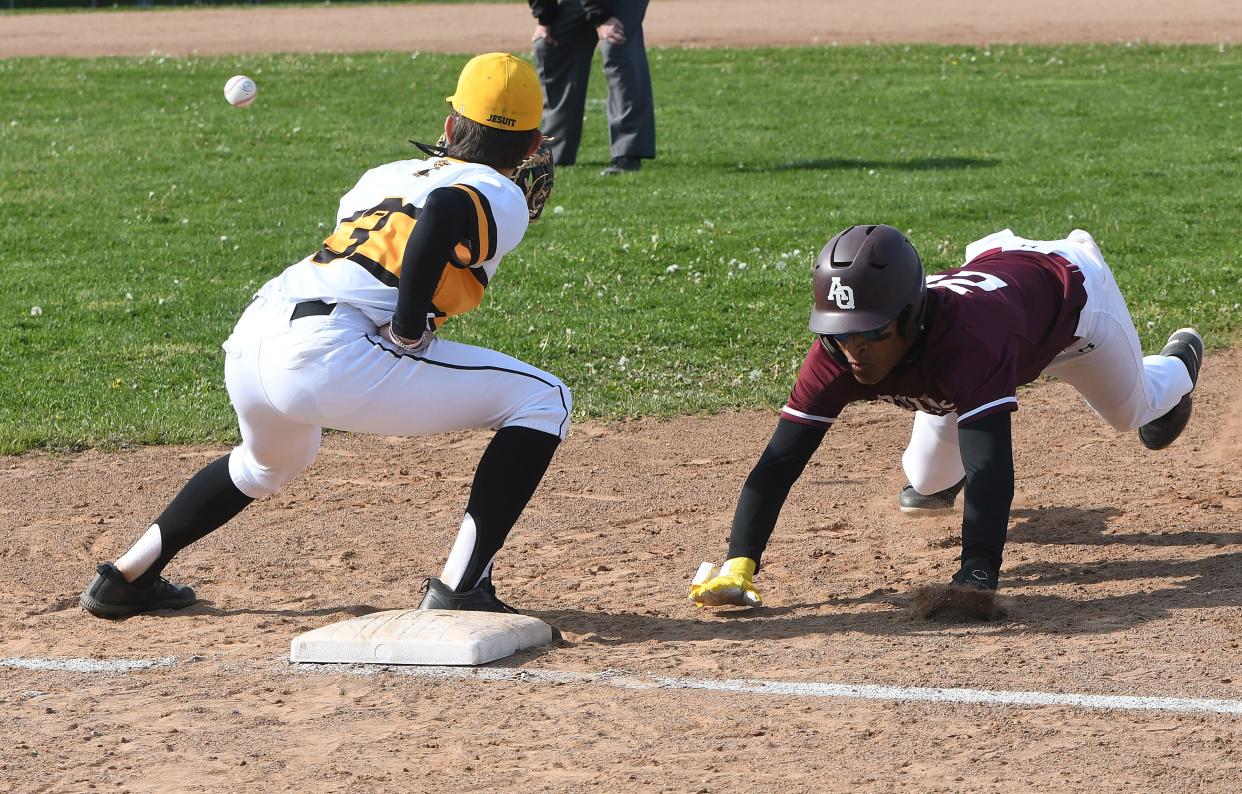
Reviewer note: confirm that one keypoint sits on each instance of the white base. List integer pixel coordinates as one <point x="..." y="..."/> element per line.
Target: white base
<point x="427" y="636"/>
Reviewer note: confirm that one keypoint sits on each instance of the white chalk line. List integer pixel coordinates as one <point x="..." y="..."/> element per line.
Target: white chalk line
<point x="807" y="689"/>
<point x="609" y="678"/>
<point x="89" y="665"/>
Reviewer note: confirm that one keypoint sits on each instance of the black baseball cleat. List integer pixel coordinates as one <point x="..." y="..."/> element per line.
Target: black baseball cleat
<point x="911" y="501"/>
<point x="971" y="592"/>
<point x="480" y="598"/>
<point x="110" y="596"/>
<point x="1187" y="345"/>
<point x="977" y="572"/>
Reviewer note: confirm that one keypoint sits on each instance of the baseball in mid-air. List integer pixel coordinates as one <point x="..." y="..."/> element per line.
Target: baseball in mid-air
<point x="240" y="91"/>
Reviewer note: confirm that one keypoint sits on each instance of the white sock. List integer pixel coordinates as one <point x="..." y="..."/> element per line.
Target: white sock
<point x="459" y="557"/>
<point x="142" y="555"/>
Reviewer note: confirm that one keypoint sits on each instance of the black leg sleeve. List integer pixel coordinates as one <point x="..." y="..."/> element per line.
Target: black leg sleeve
<point x="206" y="503"/>
<point x="768" y="485"/>
<point x="508" y="474"/>
<point x="987" y="454"/>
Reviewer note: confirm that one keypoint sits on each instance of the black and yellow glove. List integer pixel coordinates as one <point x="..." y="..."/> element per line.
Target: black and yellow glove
<point x="535" y="177"/>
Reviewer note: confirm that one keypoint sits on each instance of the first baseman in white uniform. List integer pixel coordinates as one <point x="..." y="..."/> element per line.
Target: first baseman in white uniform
<point x="346" y="339"/>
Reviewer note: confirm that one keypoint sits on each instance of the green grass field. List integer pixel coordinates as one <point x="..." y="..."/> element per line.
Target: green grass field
<point x="140" y="211"/>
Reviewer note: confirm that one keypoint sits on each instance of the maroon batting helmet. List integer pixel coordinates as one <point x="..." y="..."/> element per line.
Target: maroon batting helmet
<point x="865" y="277"/>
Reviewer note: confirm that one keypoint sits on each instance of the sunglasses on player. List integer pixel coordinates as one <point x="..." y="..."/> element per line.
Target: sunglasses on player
<point x="875" y="334"/>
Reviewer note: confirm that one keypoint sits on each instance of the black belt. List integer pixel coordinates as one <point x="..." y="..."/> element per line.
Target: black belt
<point x="311" y="309"/>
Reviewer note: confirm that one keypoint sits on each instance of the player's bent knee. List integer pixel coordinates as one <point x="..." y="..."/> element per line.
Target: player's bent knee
<point x="547" y="409"/>
<point x="258" y="479"/>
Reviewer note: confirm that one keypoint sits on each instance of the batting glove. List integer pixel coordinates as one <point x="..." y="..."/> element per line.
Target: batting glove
<point x="733" y="586"/>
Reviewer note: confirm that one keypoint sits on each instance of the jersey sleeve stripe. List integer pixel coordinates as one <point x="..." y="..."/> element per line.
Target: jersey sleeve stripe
<point x="987" y="406"/>
<point x="827" y="420"/>
<point x="482" y="226"/>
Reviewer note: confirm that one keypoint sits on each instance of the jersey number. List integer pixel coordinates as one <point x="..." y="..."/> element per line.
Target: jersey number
<point x="964" y="281"/>
<point x="374" y="238"/>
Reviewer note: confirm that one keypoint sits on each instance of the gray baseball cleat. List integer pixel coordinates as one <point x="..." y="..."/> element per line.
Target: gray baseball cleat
<point x="110" y="596"/>
<point x="480" y="598"/>
<point x="1187" y="345"/>
<point x="911" y="501"/>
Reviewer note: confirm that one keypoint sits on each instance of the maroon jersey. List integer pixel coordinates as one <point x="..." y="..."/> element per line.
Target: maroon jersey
<point x="991" y="326"/>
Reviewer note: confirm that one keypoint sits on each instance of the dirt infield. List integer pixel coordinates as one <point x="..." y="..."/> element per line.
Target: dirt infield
<point x="1123" y="577"/>
<point x="670" y="23"/>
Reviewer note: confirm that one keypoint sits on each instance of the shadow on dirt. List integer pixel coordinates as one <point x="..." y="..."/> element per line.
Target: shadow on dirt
<point x="206" y="607"/>
<point x="1160" y="587"/>
<point x="757" y="624"/>
<point x="1077" y="526"/>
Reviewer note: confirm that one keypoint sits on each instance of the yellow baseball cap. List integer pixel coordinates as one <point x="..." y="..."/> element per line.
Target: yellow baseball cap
<point x="499" y="90"/>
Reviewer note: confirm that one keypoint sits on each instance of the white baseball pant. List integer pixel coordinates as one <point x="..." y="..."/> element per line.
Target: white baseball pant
<point x="1125" y="388"/>
<point x="288" y="379"/>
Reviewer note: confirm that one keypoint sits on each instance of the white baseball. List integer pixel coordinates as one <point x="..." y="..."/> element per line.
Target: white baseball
<point x="240" y="90"/>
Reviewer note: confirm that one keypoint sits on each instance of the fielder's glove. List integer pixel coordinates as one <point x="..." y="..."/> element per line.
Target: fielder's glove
<point x="535" y="177"/>
<point x="732" y="586"/>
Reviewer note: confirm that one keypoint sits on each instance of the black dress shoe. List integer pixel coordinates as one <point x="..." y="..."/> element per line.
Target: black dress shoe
<point x="622" y="165"/>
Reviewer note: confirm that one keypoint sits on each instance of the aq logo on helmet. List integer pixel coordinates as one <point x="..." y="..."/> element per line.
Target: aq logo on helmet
<point x="843" y="294"/>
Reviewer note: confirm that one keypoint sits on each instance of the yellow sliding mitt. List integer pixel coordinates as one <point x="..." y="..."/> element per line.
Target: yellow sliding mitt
<point x="732" y="586"/>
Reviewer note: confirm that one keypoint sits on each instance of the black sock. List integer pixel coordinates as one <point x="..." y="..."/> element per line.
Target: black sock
<point x="207" y="502"/>
<point x="508" y="474"/>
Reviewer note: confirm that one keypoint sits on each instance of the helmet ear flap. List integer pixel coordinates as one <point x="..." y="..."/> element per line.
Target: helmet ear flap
<point x="905" y="320"/>
<point x="911" y="320"/>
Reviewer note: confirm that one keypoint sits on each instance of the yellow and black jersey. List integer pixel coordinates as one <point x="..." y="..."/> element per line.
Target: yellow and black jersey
<point x="361" y="261"/>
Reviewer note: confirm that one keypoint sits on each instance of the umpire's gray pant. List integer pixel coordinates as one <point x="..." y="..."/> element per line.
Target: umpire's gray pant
<point x="565" y="68"/>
